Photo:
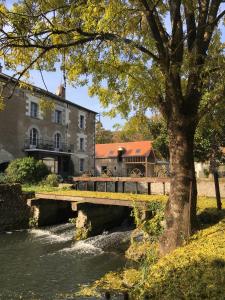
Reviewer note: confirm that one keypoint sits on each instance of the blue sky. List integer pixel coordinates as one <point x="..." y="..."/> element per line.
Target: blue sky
<point x="78" y="95"/>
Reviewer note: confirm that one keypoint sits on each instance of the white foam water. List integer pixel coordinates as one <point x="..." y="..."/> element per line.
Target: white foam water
<point x="82" y="247"/>
<point x="56" y="233"/>
<point x="99" y="244"/>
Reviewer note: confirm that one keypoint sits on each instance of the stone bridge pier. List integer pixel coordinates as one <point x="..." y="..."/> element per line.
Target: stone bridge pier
<point x="91" y="219"/>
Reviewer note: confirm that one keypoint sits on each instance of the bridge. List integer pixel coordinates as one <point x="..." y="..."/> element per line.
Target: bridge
<point x="92" y="209"/>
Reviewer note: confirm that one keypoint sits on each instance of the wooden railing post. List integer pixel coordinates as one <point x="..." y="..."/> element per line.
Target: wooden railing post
<point x="95" y="186"/>
<point x="123" y="187"/>
<point x="149" y="188"/>
<point x="116" y="186"/>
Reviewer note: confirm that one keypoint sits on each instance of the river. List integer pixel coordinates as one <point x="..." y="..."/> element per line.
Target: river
<point x="46" y="264"/>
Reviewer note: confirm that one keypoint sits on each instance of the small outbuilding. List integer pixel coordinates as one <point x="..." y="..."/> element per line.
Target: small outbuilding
<point x="126" y="159"/>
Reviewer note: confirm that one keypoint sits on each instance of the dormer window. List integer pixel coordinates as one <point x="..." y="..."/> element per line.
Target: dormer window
<point x="58" y="116"/>
<point x="121" y="151"/>
<point x="34" y="110"/>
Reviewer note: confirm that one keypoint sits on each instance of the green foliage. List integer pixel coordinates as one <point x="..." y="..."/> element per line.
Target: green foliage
<point x="210" y="136"/>
<point x="26" y="170"/>
<point x="114" y="43"/>
<point x="33" y="223"/>
<point x="73" y="220"/>
<point x="52" y="180"/>
<point x="140" y="128"/>
<point x="196" y="271"/>
<point x="152" y="223"/>
<point x="83" y="233"/>
<point x="3" y="178"/>
<point x="103" y="136"/>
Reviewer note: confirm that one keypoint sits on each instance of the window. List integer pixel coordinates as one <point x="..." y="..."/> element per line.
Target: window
<point x="58" y="140"/>
<point x="82" y="165"/>
<point x="58" y="116"/>
<point x="81" y="144"/>
<point x="34" y="110"/>
<point x="33" y="137"/>
<point x="104" y="170"/>
<point x="81" y="122"/>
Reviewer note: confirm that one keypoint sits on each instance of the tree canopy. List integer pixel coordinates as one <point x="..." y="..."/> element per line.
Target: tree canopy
<point x="130" y="48"/>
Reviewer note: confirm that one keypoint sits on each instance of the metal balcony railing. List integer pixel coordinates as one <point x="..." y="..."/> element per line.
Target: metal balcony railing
<point x="49" y="145"/>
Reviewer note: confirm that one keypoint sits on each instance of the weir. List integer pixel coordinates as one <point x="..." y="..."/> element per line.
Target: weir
<point x="92" y="216"/>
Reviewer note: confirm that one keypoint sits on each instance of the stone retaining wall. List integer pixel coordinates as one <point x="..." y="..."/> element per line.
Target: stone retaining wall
<point x="205" y="187"/>
<point x="14" y="211"/>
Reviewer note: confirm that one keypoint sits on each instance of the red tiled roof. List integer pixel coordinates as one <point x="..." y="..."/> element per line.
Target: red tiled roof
<point x="142" y="148"/>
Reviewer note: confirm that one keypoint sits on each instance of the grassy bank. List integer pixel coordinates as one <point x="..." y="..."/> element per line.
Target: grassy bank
<point x="194" y="271"/>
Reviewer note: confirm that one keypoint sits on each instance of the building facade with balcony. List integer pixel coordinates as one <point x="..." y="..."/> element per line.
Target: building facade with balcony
<point x="61" y="134"/>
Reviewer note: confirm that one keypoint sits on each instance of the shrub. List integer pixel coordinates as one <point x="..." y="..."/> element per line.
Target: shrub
<point x="52" y="180"/>
<point x="26" y="170"/>
<point x="3" y="178"/>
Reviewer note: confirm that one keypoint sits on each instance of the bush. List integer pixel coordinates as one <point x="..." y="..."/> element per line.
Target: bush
<point x="52" y="180"/>
<point x="26" y="170"/>
<point x="3" y="178"/>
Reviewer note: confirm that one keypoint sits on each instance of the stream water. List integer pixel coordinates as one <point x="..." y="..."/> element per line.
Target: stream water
<point x="46" y="264"/>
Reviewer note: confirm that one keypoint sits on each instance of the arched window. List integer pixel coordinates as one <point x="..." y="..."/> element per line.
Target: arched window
<point x="33" y="137"/>
<point x="58" y="140"/>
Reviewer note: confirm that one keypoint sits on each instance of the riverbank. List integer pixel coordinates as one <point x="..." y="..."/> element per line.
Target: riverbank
<point x="194" y="271"/>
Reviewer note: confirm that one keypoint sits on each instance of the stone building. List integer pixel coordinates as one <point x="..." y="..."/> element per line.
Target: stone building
<point x="126" y="159"/>
<point x="62" y="136"/>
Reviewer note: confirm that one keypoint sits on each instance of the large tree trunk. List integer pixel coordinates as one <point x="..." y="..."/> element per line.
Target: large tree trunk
<point x="180" y="213"/>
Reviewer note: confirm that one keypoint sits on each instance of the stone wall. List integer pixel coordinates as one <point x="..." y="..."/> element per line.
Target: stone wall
<point x="205" y="187"/>
<point x="14" y="211"/>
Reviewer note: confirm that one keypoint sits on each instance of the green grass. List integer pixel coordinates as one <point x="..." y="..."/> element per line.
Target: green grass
<point x="203" y="202"/>
<point x="120" y="196"/>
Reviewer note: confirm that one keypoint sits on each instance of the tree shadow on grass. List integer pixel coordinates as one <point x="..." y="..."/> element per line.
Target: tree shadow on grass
<point x="209" y="217"/>
<point x="200" y="279"/>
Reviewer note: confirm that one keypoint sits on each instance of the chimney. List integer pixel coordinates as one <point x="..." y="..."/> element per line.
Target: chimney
<point x="61" y="91"/>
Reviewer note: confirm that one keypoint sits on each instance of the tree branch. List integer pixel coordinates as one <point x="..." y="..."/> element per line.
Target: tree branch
<point x="191" y="24"/>
<point x="87" y="37"/>
<point x="155" y="29"/>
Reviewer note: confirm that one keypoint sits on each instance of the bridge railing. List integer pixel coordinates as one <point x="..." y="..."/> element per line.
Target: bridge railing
<point x="120" y="180"/>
